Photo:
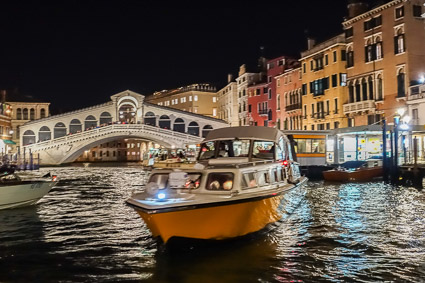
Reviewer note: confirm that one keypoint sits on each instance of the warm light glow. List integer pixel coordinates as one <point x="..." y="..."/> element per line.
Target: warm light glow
<point x="422" y="79"/>
<point x="11" y="132"/>
<point x="401" y="111"/>
<point x="406" y="119"/>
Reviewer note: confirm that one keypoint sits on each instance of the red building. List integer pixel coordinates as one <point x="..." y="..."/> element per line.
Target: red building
<point x="262" y="101"/>
<point x="289" y="93"/>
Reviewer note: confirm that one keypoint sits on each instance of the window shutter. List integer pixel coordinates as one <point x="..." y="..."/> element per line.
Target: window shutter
<point x="395" y="45"/>
<point x="374" y="52"/>
<point x="365" y="53"/>
<point x="404" y="42"/>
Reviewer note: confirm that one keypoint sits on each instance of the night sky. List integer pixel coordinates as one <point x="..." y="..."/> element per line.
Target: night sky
<point x="78" y="53"/>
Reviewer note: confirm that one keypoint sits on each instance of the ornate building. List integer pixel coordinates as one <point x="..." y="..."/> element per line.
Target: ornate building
<point x="196" y="98"/>
<point x="385" y="55"/>
<point x="324" y="84"/>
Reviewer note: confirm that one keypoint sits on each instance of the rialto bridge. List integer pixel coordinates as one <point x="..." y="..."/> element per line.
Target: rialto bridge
<point x="63" y="138"/>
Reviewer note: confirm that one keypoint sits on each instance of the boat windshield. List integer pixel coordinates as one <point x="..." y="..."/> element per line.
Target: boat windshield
<point x="233" y="148"/>
<point x="225" y="148"/>
<point x="263" y="149"/>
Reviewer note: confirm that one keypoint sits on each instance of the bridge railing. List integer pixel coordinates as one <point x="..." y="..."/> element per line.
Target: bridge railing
<point x="115" y="127"/>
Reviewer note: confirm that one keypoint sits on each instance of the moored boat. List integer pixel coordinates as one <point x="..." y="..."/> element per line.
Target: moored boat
<point x="357" y="171"/>
<point x="15" y="192"/>
<point x="240" y="185"/>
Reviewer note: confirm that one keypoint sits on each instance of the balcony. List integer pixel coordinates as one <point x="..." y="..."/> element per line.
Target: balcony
<point x="293" y="107"/>
<point x="416" y="92"/>
<point x="319" y="115"/>
<point x="361" y="106"/>
<point x="263" y="112"/>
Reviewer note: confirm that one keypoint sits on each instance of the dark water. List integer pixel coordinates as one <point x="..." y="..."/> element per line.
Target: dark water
<point x="83" y="232"/>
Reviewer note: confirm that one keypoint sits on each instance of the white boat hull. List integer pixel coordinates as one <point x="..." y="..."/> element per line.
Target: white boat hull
<point x="23" y="194"/>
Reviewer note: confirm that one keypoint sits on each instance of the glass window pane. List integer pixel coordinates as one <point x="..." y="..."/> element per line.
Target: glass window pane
<point x="263" y="149"/>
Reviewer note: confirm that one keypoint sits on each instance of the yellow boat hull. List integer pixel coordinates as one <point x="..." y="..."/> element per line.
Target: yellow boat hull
<point x="215" y="222"/>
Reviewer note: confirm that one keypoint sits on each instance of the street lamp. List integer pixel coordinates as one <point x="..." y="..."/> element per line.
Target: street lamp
<point x="399" y="117"/>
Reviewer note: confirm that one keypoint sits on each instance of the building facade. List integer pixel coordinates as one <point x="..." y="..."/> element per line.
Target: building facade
<point x="196" y="98"/>
<point x="324" y="84"/>
<point x="385" y="55"/>
<point x="24" y="109"/>
<point x="227" y="100"/>
<point x="258" y="104"/>
<point x="289" y="100"/>
<point x="243" y="80"/>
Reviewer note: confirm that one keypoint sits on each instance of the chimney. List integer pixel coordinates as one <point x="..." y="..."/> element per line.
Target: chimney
<point x="229" y="78"/>
<point x="355" y="8"/>
<point x="242" y="70"/>
<point x="310" y="43"/>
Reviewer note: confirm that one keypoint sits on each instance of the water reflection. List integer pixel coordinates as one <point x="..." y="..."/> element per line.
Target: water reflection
<point x="83" y="231"/>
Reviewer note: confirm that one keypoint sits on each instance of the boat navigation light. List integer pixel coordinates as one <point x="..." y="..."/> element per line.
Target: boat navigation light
<point x="161" y="196"/>
<point x="285" y="163"/>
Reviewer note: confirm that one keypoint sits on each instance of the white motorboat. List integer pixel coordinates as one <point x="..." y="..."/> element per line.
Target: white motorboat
<point x="15" y="192"/>
<point x="245" y="180"/>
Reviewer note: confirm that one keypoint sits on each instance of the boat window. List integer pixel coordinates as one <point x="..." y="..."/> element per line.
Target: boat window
<point x="263" y="178"/>
<point x="233" y="148"/>
<point x="278" y="173"/>
<point x="310" y="145"/>
<point x="283" y="173"/>
<point x="220" y="181"/>
<point x="249" y="181"/>
<point x="193" y="180"/>
<point x="280" y="151"/>
<point x="274" y="176"/>
<point x="263" y="149"/>
<point x="207" y="151"/>
<point x="160" y="179"/>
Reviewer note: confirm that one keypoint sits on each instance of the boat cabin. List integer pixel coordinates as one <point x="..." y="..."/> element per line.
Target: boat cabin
<point x="243" y="145"/>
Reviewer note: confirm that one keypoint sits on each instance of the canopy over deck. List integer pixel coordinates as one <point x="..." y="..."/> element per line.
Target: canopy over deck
<point x="247" y="132"/>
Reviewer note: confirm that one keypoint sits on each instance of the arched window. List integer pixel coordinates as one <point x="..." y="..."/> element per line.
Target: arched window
<point x="379" y="51"/>
<point x="19" y="114"/>
<point x="150" y="119"/>
<point x="44" y="134"/>
<point x="75" y="126"/>
<point x="205" y="130"/>
<point x="32" y="114"/>
<point x="364" y="89"/>
<point x="399" y="42"/>
<point x="379" y="86"/>
<point x="371" y="87"/>
<point x="401" y="90"/>
<point x="28" y="137"/>
<point x="42" y="113"/>
<point x="105" y="118"/>
<point x="164" y="122"/>
<point x="278" y="102"/>
<point x="25" y="112"/>
<point x="179" y="125"/>
<point x="90" y="122"/>
<point x="350" y="92"/>
<point x="59" y="130"/>
<point x="193" y="129"/>
<point x="358" y="95"/>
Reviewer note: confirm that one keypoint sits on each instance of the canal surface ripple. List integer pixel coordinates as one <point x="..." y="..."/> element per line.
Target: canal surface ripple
<point x="82" y="231"/>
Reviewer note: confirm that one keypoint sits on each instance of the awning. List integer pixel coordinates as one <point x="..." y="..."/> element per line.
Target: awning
<point x="9" y="142"/>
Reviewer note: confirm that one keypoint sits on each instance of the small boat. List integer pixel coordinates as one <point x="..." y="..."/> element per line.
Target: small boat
<point x="15" y="192"/>
<point x="355" y="171"/>
<point x="243" y="182"/>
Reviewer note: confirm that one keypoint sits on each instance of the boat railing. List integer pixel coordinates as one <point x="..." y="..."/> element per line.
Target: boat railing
<point x="241" y="165"/>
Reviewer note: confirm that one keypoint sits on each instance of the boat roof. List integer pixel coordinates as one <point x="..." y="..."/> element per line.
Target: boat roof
<point x="244" y="132"/>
